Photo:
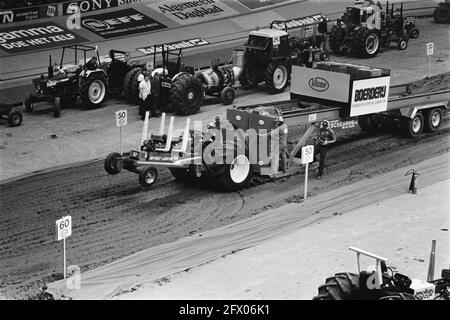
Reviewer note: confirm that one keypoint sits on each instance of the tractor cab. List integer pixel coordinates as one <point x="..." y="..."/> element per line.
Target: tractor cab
<point x="270" y="42"/>
<point x="362" y="16"/>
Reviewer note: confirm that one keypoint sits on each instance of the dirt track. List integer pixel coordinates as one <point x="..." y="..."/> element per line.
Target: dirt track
<point x="113" y="217"/>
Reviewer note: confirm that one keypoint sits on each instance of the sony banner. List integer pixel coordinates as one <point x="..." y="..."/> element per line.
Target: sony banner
<point x="184" y="44"/>
<point x="369" y="96"/>
<point x="38" y="36"/>
<point x="320" y="84"/>
<point x="28" y="13"/>
<point x="94" y="5"/>
<point x="193" y="11"/>
<point x="120" y="23"/>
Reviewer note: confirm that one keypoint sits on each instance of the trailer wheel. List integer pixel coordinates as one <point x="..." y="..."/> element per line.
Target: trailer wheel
<point x="227" y="96"/>
<point x="413" y="127"/>
<point x="433" y="119"/>
<point x="235" y="176"/>
<point x="28" y="103"/>
<point x="147" y="177"/>
<point x="342" y="286"/>
<point x="57" y="107"/>
<point x="111" y="163"/>
<point x="402" y="44"/>
<point x="277" y="77"/>
<point x="15" y="118"/>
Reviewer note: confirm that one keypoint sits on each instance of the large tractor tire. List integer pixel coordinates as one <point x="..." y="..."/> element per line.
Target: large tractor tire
<point x="186" y="94"/>
<point x="183" y="175"/>
<point x="131" y="84"/>
<point x="365" y="44"/>
<point x="337" y="36"/>
<point x="232" y="177"/>
<point x="92" y="91"/>
<point x="442" y="14"/>
<point x="110" y="163"/>
<point x="277" y="76"/>
<point x="342" y="286"/>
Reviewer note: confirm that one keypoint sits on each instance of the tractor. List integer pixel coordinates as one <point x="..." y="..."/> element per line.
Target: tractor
<point x="442" y="12"/>
<point x="177" y="88"/>
<point x="68" y="81"/>
<point x="382" y="283"/>
<point x="267" y="56"/>
<point x="14" y="117"/>
<point x="363" y="29"/>
<point x="270" y="53"/>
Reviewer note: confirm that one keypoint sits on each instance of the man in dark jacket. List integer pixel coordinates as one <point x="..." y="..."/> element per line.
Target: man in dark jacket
<point x="325" y="137"/>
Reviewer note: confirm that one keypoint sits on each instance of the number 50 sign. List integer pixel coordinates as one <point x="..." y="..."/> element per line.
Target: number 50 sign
<point x="63" y="228"/>
<point x="121" y="118"/>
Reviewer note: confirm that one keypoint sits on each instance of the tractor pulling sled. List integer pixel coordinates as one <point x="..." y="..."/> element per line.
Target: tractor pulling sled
<point x="68" y="81"/>
<point x="332" y="91"/>
<point x="382" y="283"/>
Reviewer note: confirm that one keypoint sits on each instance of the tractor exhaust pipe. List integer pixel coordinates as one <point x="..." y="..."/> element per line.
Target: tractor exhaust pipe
<point x="430" y="276"/>
<point x="50" y="67"/>
<point x="238" y="62"/>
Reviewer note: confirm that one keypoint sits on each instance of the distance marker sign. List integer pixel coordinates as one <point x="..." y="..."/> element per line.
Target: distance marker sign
<point x="121" y="118"/>
<point x="63" y="228"/>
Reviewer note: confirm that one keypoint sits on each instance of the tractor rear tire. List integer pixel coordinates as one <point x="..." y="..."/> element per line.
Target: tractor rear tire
<point x="183" y="175"/>
<point x="15" y="118"/>
<point x="398" y="296"/>
<point x="186" y="94"/>
<point x="365" y="44"/>
<point x="342" y="286"/>
<point x="337" y="36"/>
<point x="92" y="91"/>
<point x="57" y="107"/>
<point x="277" y="76"/>
<point x="147" y="177"/>
<point x="433" y="119"/>
<point x="28" y="103"/>
<point x="131" y="85"/>
<point x="110" y="163"/>
<point x="442" y="14"/>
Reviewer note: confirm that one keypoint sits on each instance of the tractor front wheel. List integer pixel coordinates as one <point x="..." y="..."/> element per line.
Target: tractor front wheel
<point x="92" y="91"/>
<point x="147" y="177"/>
<point x="227" y="96"/>
<point x="111" y="163"/>
<point x="277" y="77"/>
<point x="15" y="118"/>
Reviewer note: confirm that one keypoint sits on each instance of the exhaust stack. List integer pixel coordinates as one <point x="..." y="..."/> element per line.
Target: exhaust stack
<point x="430" y="276"/>
<point x="50" y="67"/>
<point x="238" y="62"/>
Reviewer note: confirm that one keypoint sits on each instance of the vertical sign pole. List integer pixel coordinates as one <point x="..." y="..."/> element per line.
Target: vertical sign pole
<point x="64" y="256"/>
<point x="429" y="65"/>
<point x="306" y="181"/>
<point x="120" y="139"/>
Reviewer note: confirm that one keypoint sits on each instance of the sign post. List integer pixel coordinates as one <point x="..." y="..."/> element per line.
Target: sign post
<point x="430" y="51"/>
<point x="121" y="120"/>
<point x="64" y="230"/>
<point x="307" y="157"/>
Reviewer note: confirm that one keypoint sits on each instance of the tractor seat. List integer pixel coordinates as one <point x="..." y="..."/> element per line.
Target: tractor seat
<point x="158" y="137"/>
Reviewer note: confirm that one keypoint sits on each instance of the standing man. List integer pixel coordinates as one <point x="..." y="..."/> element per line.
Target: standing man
<point x="325" y="137"/>
<point x="145" y="88"/>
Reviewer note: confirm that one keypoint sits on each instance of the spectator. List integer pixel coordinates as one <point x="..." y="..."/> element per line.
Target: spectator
<point x="145" y="97"/>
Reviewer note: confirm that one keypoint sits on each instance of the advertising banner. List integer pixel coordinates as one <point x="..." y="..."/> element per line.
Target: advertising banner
<point x="320" y="84"/>
<point x="120" y="23"/>
<point x="94" y="5"/>
<point x="192" y="11"/>
<point x="28" y="13"/>
<point x="258" y="4"/>
<point x="38" y="36"/>
<point x="369" y="96"/>
<point x="184" y="44"/>
<point x="300" y="22"/>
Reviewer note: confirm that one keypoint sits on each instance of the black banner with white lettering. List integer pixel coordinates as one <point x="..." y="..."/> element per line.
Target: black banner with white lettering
<point x="28" y="13"/>
<point x="120" y="23"/>
<point x="94" y="5"/>
<point x="39" y="36"/>
<point x="184" y="44"/>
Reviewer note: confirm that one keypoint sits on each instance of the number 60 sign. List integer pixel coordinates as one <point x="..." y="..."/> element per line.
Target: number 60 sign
<point x="63" y="228"/>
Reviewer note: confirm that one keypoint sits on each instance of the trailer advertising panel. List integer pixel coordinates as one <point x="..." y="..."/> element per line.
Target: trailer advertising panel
<point x="369" y="96"/>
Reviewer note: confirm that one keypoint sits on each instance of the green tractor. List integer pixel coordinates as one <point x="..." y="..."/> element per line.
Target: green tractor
<point x="66" y="82"/>
<point x="442" y="12"/>
<point x="363" y="29"/>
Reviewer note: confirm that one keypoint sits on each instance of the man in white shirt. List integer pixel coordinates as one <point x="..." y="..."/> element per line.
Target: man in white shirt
<point x="144" y="94"/>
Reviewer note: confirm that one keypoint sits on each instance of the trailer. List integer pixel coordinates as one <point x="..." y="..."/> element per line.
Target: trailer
<point x="229" y="153"/>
